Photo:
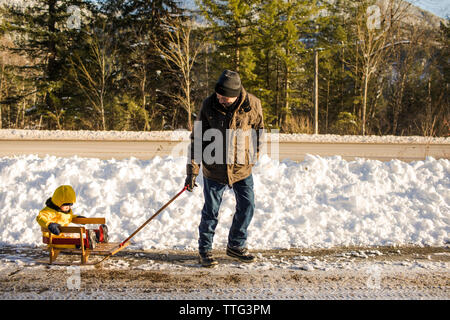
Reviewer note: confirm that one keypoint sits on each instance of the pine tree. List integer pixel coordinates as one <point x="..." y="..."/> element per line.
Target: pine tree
<point x="335" y="82"/>
<point x="231" y="22"/>
<point x="281" y="27"/>
<point x="44" y="33"/>
<point x="142" y="78"/>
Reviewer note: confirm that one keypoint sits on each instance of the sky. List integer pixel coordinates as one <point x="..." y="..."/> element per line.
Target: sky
<point x="440" y="8"/>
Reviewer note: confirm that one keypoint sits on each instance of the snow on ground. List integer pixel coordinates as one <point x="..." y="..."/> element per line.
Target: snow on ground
<point x="319" y="202"/>
<point x="183" y="135"/>
<point x="356" y="275"/>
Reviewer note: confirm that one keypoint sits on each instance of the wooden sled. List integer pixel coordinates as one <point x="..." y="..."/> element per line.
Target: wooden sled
<point x="104" y="249"/>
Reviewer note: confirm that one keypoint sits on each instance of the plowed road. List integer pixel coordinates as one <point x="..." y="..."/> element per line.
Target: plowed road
<point x="286" y="150"/>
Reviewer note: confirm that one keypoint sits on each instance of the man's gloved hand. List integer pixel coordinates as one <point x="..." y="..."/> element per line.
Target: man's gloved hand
<point x="190" y="182"/>
<point x="54" y="228"/>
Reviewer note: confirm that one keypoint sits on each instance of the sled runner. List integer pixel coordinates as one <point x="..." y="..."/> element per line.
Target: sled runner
<point x="84" y="244"/>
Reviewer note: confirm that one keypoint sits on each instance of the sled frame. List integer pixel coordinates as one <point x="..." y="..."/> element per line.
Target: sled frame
<point x="107" y="249"/>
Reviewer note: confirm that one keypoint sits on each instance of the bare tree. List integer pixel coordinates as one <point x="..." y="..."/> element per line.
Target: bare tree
<point x="2" y="86"/>
<point x="404" y="57"/>
<point x="140" y="56"/>
<point x="12" y="74"/>
<point x="374" y="27"/>
<point x="92" y="74"/>
<point x="180" y="52"/>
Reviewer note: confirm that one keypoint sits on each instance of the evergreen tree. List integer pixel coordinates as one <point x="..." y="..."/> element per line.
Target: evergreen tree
<point x="142" y="79"/>
<point x="336" y="94"/>
<point x="283" y="27"/>
<point x="45" y="34"/>
<point x="231" y="22"/>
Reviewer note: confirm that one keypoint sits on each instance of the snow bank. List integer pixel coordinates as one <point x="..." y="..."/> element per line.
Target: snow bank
<point x="183" y="135"/>
<point x="13" y="134"/>
<point x="320" y="202"/>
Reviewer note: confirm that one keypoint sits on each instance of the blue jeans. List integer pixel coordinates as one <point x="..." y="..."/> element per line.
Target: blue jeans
<point x="245" y="205"/>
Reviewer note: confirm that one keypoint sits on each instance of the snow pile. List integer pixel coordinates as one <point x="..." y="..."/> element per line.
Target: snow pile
<point x="320" y="202"/>
<point x="19" y="134"/>
<point x="183" y="135"/>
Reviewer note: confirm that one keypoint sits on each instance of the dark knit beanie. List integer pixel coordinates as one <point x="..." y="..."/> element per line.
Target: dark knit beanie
<point x="229" y="84"/>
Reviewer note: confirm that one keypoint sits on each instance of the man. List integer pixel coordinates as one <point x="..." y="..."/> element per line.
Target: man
<point x="229" y="114"/>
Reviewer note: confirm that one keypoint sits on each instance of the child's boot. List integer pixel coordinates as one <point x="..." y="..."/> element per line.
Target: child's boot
<point x="102" y="234"/>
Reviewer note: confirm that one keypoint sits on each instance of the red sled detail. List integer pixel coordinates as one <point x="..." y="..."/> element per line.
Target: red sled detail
<point x="99" y="233"/>
<point x="86" y="240"/>
<point x="65" y="241"/>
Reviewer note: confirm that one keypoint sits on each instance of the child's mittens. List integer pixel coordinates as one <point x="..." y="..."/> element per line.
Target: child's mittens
<point x="54" y="228"/>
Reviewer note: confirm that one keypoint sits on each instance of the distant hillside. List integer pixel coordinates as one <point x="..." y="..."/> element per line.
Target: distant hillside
<point x="417" y="16"/>
<point x="441" y="8"/>
<point x="21" y="3"/>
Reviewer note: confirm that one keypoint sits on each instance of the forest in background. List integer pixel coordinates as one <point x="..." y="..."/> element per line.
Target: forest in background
<point x="330" y="67"/>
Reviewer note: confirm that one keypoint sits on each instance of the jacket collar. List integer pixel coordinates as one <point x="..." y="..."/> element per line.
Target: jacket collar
<point x="242" y="103"/>
<point x="49" y="203"/>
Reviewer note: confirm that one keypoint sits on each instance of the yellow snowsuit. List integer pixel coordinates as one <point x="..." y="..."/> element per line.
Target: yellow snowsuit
<point x="50" y="214"/>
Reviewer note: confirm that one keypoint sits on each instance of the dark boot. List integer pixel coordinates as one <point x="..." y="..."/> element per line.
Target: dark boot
<point x="206" y="260"/>
<point x="241" y="254"/>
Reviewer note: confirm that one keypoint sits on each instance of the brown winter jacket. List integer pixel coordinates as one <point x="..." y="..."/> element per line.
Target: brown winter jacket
<point x="227" y="155"/>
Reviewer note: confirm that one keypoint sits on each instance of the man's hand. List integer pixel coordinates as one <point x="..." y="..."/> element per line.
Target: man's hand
<point x="54" y="228"/>
<point x="190" y="182"/>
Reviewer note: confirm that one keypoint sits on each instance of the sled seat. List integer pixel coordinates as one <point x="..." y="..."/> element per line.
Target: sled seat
<point x="54" y="243"/>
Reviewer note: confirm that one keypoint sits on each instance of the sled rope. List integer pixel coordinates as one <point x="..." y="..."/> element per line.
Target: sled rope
<point x="121" y="245"/>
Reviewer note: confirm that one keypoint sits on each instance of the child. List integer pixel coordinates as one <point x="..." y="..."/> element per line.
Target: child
<point x="58" y="213"/>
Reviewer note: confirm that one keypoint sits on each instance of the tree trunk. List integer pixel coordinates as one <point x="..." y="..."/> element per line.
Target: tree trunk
<point x="1" y="94"/>
<point x="103" y="85"/>
<point x="316" y="92"/>
<point x="342" y="78"/>
<point x="174" y="118"/>
<point x="51" y="64"/>
<point x="364" y="106"/>
<point x="285" y="117"/>
<point x="327" y="102"/>
<point x="277" y="101"/>
<point x="429" y="124"/>
<point x="102" y="110"/>
<point x="398" y="105"/>
<point x="144" y="102"/>
<point x="237" y="50"/>
<point x="51" y="68"/>
<point x="188" y="100"/>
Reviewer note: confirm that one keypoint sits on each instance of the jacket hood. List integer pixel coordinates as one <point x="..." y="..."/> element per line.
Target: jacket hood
<point x="53" y="206"/>
<point x="63" y="194"/>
